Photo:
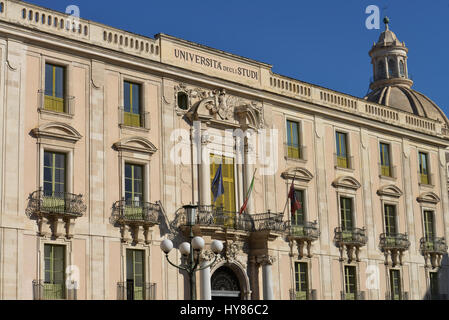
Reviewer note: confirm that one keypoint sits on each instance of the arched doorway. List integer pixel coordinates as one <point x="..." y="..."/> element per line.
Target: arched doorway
<point x="225" y="285"/>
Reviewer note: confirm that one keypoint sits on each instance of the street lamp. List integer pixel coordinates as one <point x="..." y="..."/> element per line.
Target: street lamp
<point x="192" y="250"/>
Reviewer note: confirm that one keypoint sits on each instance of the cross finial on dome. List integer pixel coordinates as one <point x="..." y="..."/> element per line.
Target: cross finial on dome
<point x="386" y="21"/>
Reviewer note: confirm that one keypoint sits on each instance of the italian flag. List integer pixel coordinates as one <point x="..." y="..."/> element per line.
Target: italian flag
<point x="248" y="194"/>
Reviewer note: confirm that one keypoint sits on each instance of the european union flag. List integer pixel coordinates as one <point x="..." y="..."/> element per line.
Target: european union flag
<point x="217" y="184"/>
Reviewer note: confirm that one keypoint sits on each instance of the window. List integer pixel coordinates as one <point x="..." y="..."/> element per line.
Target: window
<point x="395" y="284"/>
<point x="227" y="201"/>
<point x="299" y="217"/>
<point x="342" y="150"/>
<point x="381" y="70"/>
<point x="347" y="223"/>
<point x="54" y="264"/>
<point x="401" y="68"/>
<point x="134" y="182"/>
<point x="132" y="109"/>
<point x="54" y="98"/>
<point x="350" y="283"/>
<point x="390" y="220"/>
<point x="135" y="278"/>
<point x="301" y="280"/>
<point x="423" y="168"/>
<point x="54" y="181"/>
<point x="429" y="227"/>
<point x="293" y="140"/>
<point x="385" y="166"/>
<point x="183" y="101"/>
<point x="434" y="286"/>
<point x="391" y="68"/>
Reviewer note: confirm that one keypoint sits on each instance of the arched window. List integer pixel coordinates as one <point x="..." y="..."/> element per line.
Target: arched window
<point x="183" y="101"/>
<point x="391" y="68"/>
<point x="401" y="68"/>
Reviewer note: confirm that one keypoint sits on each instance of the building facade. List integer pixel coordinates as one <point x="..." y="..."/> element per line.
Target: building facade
<point x="106" y="135"/>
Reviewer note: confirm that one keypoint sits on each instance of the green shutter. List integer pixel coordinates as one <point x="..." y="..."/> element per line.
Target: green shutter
<point x="390" y="221"/>
<point x="134" y="182"/>
<point x="54" y="272"/>
<point x="429" y="231"/>
<point x="302" y="281"/>
<point x="54" y="88"/>
<point x="347" y="223"/>
<point x="54" y="182"/>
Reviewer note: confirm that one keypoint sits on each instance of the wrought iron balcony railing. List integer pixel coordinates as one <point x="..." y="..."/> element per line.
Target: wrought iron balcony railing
<point x="401" y="296"/>
<point x="303" y="295"/>
<point x="356" y="237"/>
<point x="136" y="212"/>
<point x="295" y="152"/>
<point x="307" y="231"/>
<point x="268" y="222"/>
<point x="136" y="120"/>
<point x="56" y="203"/>
<point x="433" y="246"/>
<point x="65" y="104"/>
<point x="397" y="241"/>
<point x="129" y="291"/>
<point x="359" y="295"/>
<point x="53" y="291"/>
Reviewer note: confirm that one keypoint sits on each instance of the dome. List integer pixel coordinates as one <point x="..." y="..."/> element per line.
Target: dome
<point x="406" y="99"/>
<point x="388" y="38"/>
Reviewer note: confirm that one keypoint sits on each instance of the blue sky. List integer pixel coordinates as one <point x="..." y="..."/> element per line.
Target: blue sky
<point x="321" y="41"/>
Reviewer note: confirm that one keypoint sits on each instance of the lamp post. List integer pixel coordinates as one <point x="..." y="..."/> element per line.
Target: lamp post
<point x="192" y="250"/>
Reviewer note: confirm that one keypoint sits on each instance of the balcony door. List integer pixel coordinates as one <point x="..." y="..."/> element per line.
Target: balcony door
<point x="342" y="150"/>
<point x="54" y="181"/>
<point x="390" y="223"/>
<point x="134" y="182"/>
<point x="135" y="278"/>
<point x="346" y="217"/>
<point x="423" y="168"/>
<point x="429" y="226"/>
<point x="395" y="284"/>
<point x="302" y="281"/>
<point x="54" y="88"/>
<point x="350" y="283"/>
<point x="54" y="269"/>
<point x="293" y="140"/>
<point x="385" y="160"/>
<point x="227" y="200"/>
<point x="132" y="97"/>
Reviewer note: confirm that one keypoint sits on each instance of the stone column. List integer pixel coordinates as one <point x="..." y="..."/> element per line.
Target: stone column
<point x="254" y="278"/>
<point x="267" y="262"/>
<point x="205" y="184"/>
<point x="205" y="289"/>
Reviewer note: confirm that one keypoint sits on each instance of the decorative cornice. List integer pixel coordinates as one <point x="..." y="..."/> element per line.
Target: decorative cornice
<point x="135" y="144"/>
<point x="390" y="191"/>
<point x="429" y="197"/>
<point x="57" y="130"/>
<point x="297" y="173"/>
<point x="346" y="182"/>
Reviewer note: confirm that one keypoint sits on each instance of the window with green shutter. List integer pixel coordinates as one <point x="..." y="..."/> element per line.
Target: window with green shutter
<point x="385" y="164"/>
<point x="302" y="281"/>
<point x="395" y="284"/>
<point x="298" y="218"/>
<point x="423" y="168"/>
<point x="342" y="150"/>
<point x="390" y="220"/>
<point x="135" y="277"/>
<point x="350" y="283"/>
<point x="346" y="215"/>
<point x="133" y="108"/>
<point x="293" y="140"/>
<point x="54" y="269"/>
<point x="54" y="88"/>
<point x="429" y="228"/>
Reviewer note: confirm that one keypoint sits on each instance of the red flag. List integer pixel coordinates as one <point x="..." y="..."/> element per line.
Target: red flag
<point x="295" y="204"/>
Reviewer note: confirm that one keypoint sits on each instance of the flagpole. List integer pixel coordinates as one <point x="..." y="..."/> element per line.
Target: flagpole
<point x="286" y="203"/>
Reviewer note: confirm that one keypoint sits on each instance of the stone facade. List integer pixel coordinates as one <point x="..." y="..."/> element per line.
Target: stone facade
<point x="222" y="92"/>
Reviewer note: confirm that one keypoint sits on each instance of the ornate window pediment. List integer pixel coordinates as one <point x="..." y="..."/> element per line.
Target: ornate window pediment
<point x="346" y="182"/>
<point x="429" y="197"/>
<point x="390" y="191"/>
<point x="135" y="144"/>
<point x="57" y="130"/>
<point x="297" y="173"/>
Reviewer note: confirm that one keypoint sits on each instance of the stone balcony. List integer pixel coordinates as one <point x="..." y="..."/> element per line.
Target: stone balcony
<point x="394" y="245"/>
<point x="135" y="218"/>
<point x="351" y="240"/>
<point x="303" y="234"/>
<point x="55" y="212"/>
<point x="433" y="249"/>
